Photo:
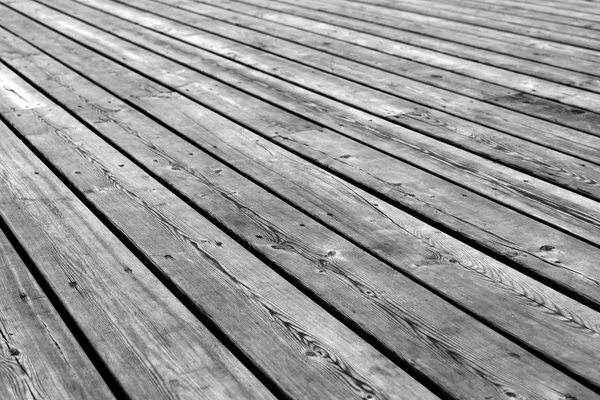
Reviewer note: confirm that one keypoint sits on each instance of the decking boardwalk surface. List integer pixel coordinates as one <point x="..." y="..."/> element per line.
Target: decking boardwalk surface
<point x="316" y="199"/>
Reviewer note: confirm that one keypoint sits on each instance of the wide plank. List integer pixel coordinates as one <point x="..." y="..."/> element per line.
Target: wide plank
<point x="457" y="210"/>
<point x="582" y="12"/>
<point x="39" y="356"/>
<point x="492" y="14"/>
<point x="448" y="36"/>
<point x="384" y="304"/>
<point x="414" y="6"/>
<point x="303" y="351"/>
<point x="407" y="92"/>
<point x="250" y="151"/>
<point x="533" y="11"/>
<point x="554" y="205"/>
<point x="152" y="346"/>
<point x="448" y="73"/>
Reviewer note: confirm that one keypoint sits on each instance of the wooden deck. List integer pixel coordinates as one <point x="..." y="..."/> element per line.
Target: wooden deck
<point x="315" y="199"/>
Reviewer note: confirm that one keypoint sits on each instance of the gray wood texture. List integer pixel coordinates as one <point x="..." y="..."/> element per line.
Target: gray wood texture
<point x="480" y="221"/>
<point x="504" y="320"/>
<point x="248" y="199"/>
<point x="141" y="331"/>
<point x="39" y="357"/>
<point x="301" y="348"/>
<point x="385" y="304"/>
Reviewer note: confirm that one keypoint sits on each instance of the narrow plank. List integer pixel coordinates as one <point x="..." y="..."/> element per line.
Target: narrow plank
<point x="385" y="304"/>
<point x="299" y="346"/>
<point x="40" y="358"/>
<point x="547" y="134"/>
<point x="552" y="204"/>
<point x="459" y="211"/>
<point x="311" y="242"/>
<point x="490" y="13"/>
<point x="451" y="37"/>
<point x="335" y="40"/>
<point x="415" y="7"/>
<point x="535" y="12"/>
<point x="142" y="332"/>
<point x="581" y="12"/>
<point x="475" y="69"/>
<point x="249" y="149"/>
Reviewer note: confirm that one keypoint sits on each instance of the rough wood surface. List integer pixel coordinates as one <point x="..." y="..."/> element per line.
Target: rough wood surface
<point x="267" y="199"/>
<point x="463" y="212"/>
<point x="301" y="348"/>
<point x="416" y="95"/>
<point x="385" y="304"/>
<point x="491" y="13"/>
<point x="504" y="318"/>
<point x="448" y="72"/>
<point x="443" y="35"/>
<point x="552" y="204"/>
<point x="132" y="321"/>
<point x="532" y="11"/>
<point x="39" y="357"/>
<point x="466" y="18"/>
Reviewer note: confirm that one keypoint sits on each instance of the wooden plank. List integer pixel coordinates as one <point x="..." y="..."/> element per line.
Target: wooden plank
<point x="39" y="356"/>
<point x="459" y="211"/>
<point x="254" y="214"/>
<point x="188" y="116"/>
<point x="534" y="11"/>
<point x="140" y="330"/>
<point x="582" y="12"/>
<point x="409" y="89"/>
<point x="548" y="134"/>
<point x="299" y="346"/>
<point x="456" y="38"/>
<point x="456" y="82"/>
<point x="492" y="14"/>
<point x="335" y="26"/>
<point x="552" y="204"/>
<point x="415" y="7"/>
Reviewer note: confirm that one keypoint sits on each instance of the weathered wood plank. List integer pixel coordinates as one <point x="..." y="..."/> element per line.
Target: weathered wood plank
<point x="561" y="11"/>
<point x="475" y="69"/>
<point x="142" y="332"/>
<point x="39" y="357"/>
<point x="489" y="13"/>
<point x="410" y="66"/>
<point x="448" y="36"/>
<point x="416" y="7"/>
<point x="383" y="304"/>
<point x="391" y="84"/>
<point x="554" y="205"/>
<point x="462" y="212"/>
<point x="246" y="152"/>
<point x="533" y="11"/>
<point x="299" y="346"/>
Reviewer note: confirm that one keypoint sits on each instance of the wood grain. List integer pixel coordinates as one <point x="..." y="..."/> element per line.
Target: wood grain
<point x="416" y="95"/>
<point x="492" y="13"/>
<point x="533" y="11"/>
<point x="385" y="305"/>
<point x="368" y="214"/>
<point x="464" y="67"/>
<point x="415" y="7"/>
<point x="143" y="334"/>
<point x="447" y="71"/>
<point x="39" y="356"/>
<point x="301" y="348"/>
<point x="552" y="204"/>
<point x="449" y="36"/>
